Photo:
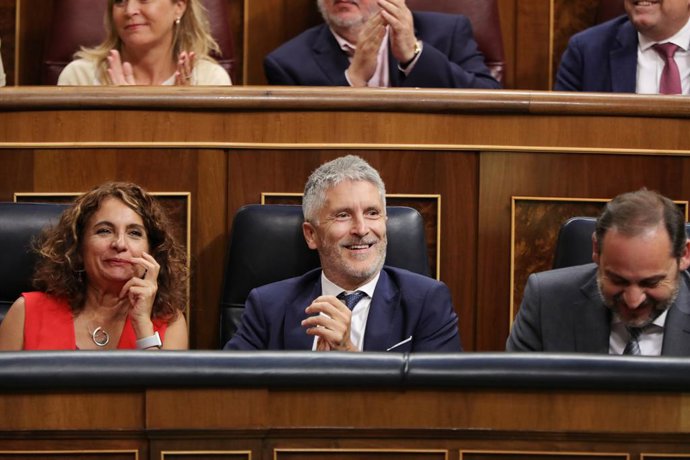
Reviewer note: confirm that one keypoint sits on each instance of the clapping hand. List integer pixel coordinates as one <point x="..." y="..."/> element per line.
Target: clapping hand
<point x="120" y="73"/>
<point x="185" y="66"/>
<point x="364" y="61"/>
<point x="399" y="19"/>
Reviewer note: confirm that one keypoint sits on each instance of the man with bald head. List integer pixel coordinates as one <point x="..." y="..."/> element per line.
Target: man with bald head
<point x="634" y="299"/>
<point x="644" y="52"/>
<point x="381" y="43"/>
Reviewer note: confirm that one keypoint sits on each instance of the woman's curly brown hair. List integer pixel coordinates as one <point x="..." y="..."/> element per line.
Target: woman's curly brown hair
<point x="60" y="269"/>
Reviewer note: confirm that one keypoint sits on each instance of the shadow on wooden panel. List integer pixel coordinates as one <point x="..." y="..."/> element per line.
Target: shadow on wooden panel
<point x="207" y="455"/>
<point x="535" y="455"/>
<point x="429" y="206"/>
<point x="359" y="454"/>
<point x="70" y="454"/>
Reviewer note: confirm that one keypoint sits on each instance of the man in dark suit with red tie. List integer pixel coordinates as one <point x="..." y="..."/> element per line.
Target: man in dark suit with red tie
<point x="381" y="43"/>
<point x="353" y="302"/>
<point x="646" y="52"/>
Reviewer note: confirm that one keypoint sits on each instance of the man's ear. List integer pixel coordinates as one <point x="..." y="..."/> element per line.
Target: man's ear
<point x="310" y="235"/>
<point x="595" y="249"/>
<point x="685" y="257"/>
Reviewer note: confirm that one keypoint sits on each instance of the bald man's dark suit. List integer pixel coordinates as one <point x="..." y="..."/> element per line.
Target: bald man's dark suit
<point x="450" y="58"/>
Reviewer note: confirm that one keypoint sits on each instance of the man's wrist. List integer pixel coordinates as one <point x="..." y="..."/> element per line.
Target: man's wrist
<point x="416" y="52"/>
<point x="355" y="82"/>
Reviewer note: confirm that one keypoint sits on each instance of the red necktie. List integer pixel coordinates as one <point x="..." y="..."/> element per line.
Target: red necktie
<point x="670" y="76"/>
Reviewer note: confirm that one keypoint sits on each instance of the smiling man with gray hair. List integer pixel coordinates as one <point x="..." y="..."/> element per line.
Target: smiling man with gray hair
<point x="353" y="302"/>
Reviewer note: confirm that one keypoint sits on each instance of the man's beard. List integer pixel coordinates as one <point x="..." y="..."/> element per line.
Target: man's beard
<point x="658" y="306"/>
<point x="335" y="21"/>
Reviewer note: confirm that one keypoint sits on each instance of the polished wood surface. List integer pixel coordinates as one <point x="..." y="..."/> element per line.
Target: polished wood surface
<point x="227" y="146"/>
<point x="261" y="423"/>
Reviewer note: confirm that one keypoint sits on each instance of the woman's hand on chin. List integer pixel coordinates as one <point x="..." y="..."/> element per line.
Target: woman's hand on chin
<point x="141" y="289"/>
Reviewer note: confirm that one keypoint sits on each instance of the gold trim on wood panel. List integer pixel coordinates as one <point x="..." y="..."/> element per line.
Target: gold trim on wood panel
<point x="188" y="224"/>
<point x="71" y="452"/>
<point x="547" y="239"/>
<point x="644" y="456"/>
<point x="248" y="453"/>
<point x="445" y="452"/>
<point x="340" y="146"/>
<point x="533" y="453"/>
<point x="431" y="196"/>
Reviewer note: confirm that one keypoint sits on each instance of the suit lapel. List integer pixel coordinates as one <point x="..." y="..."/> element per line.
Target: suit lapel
<point x="592" y="320"/>
<point x="329" y="57"/>
<point x="382" y="315"/>
<point x="677" y="326"/>
<point x="296" y="337"/>
<point x="623" y="60"/>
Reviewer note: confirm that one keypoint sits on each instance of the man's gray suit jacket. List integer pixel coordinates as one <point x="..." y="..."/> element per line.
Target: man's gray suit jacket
<point x="562" y="311"/>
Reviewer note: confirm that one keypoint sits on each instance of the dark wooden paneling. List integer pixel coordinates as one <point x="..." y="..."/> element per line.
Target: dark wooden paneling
<point x="33" y="24"/>
<point x="507" y="11"/>
<point x="17" y="172"/>
<point x="270" y="23"/>
<point x="205" y="455"/>
<point x="236" y="21"/>
<point x="235" y="422"/>
<point x="356" y="454"/>
<point x="540" y="456"/>
<point x="532" y="44"/>
<point x="93" y="454"/>
<point x="71" y="411"/>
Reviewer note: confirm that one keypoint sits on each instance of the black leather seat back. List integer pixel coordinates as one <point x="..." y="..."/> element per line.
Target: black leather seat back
<point x="574" y="244"/>
<point x="267" y="245"/>
<point x="19" y="224"/>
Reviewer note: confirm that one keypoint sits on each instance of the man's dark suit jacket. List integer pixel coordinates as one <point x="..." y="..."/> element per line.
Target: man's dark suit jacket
<point x="562" y="311"/>
<point x="450" y="58"/>
<point x="602" y="58"/>
<point x="404" y="305"/>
